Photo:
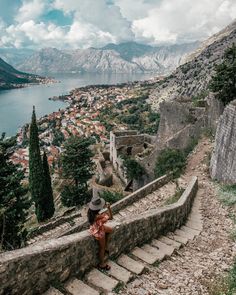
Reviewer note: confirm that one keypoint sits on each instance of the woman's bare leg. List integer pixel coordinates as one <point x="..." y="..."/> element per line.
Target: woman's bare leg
<point x="108" y="231"/>
<point x="102" y="243"/>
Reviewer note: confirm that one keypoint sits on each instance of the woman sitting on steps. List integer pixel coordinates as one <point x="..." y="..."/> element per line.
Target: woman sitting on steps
<point x="98" y="228"/>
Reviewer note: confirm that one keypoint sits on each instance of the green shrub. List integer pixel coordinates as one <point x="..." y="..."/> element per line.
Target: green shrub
<point x="170" y="160"/>
<point x="193" y="142"/>
<point x="133" y="169"/>
<point x="111" y="197"/>
<point x="74" y="196"/>
<point x="173" y="199"/>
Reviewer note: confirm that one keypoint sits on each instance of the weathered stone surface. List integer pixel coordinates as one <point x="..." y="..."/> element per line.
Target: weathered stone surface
<point x="170" y="242"/>
<point x="223" y="161"/>
<point x="190" y="230"/>
<point x="194" y="225"/>
<point x="163" y="247"/>
<point x="102" y="281"/>
<point x="130" y="264"/>
<point x="76" y="287"/>
<point x="53" y="291"/>
<point x="180" y="239"/>
<point x="160" y="255"/>
<point x="143" y="255"/>
<point x="119" y="272"/>
<point x="184" y="234"/>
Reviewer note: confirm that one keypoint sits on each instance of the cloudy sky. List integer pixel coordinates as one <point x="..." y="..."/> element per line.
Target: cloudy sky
<point x="85" y="23"/>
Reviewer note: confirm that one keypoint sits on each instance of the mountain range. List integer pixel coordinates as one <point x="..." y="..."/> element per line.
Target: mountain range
<point x="192" y="78"/>
<point x="129" y="57"/>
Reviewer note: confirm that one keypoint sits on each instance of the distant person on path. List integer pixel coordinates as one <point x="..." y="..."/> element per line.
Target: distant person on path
<point x="98" y="228"/>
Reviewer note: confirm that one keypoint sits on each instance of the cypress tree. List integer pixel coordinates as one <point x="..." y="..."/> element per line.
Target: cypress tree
<point x="77" y="165"/>
<point x="36" y="170"/>
<point x="47" y="189"/>
<point x="14" y="204"/>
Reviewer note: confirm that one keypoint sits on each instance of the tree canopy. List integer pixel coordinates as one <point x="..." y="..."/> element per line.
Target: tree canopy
<point x="14" y="204"/>
<point x="223" y="83"/>
<point x="77" y="165"/>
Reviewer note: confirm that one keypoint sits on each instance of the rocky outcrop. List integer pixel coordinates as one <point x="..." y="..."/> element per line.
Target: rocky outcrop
<point x="223" y="161"/>
<point x="192" y="78"/>
<point x="122" y="58"/>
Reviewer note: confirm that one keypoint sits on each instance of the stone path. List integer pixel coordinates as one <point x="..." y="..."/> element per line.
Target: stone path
<point x="129" y="267"/>
<point x="195" y="268"/>
<point x="203" y="250"/>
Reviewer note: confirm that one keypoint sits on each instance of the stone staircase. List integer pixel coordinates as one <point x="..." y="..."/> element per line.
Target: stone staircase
<point x="148" y="202"/>
<point x="128" y="266"/>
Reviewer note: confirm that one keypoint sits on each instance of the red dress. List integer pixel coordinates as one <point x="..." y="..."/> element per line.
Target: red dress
<point x="97" y="228"/>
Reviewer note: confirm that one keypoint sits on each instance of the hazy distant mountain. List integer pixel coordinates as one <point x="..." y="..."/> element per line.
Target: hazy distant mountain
<point x="15" y="56"/>
<point x="11" y="78"/>
<point x="127" y="57"/>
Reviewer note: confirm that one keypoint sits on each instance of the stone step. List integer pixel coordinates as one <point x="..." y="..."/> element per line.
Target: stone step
<point x="170" y="242"/>
<point x="119" y="273"/>
<point x="195" y="220"/>
<point x="76" y="287"/>
<point x="184" y="234"/>
<point x="168" y="250"/>
<point x="191" y="230"/>
<point x="195" y="216"/>
<point x="160" y="255"/>
<point x="130" y="264"/>
<point x="52" y="291"/>
<point x="143" y="255"/>
<point x="99" y="280"/>
<point x="194" y="225"/>
<point x="123" y="214"/>
<point x="177" y="238"/>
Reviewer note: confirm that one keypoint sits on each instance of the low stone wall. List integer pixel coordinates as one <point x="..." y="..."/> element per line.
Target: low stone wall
<point x="129" y="200"/>
<point x="53" y="224"/>
<point x="31" y="270"/>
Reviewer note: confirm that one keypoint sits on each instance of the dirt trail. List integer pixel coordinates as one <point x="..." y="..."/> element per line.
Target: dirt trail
<point x="192" y="269"/>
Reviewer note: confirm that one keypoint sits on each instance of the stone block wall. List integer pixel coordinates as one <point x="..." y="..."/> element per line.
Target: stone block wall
<point x="31" y="270"/>
<point x="223" y="161"/>
<point x="129" y="200"/>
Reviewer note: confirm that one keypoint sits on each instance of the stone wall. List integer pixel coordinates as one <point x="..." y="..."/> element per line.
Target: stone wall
<point x="129" y="200"/>
<point x="30" y="271"/>
<point x="223" y="161"/>
<point x="214" y="109"/>
<point x="53" y="224"/>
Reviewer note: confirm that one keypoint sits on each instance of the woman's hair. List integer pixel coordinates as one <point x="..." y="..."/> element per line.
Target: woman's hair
<point x="92" y="215"/>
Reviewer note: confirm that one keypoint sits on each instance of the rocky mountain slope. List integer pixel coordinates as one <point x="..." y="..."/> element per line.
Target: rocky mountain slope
<point x="127" y="57"/>
<point x="192" y="78"/>
<point x="11" y="78"/>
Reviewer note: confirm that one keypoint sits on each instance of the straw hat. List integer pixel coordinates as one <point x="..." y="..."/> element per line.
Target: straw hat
<point x="96" y="203"/>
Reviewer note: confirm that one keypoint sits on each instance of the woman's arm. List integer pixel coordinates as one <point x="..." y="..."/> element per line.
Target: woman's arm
<point x="109" y="210"/>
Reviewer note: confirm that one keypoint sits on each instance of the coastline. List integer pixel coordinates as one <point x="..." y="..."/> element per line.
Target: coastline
<point x="35" y="81"/>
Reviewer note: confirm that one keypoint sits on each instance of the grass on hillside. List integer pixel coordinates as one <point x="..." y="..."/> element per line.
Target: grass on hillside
<point x="225" y="285"/>
<point x="227" y="194"/>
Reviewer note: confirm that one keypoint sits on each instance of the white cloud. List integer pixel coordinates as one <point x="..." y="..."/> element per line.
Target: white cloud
<point x="31" y="10"/>
<point x="86" y="35"/>
<point x="96" y="23"/>
<point x="30" y="32"/>
<point x="104" y="18"/>
<point x="184" y="20"/>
